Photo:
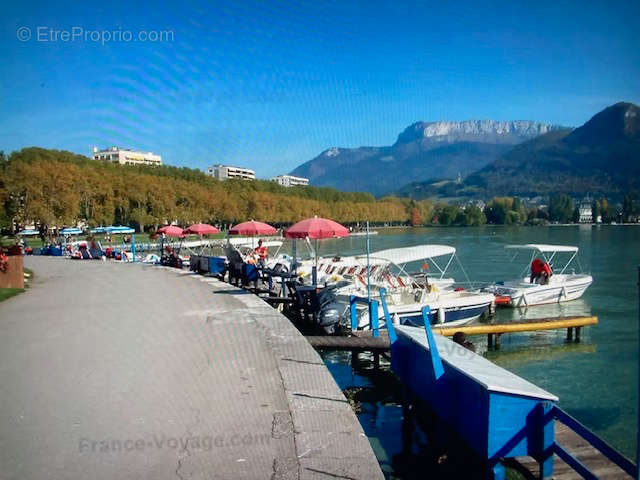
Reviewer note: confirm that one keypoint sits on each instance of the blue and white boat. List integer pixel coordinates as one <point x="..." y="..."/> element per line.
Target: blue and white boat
<point x="408" y="294"/>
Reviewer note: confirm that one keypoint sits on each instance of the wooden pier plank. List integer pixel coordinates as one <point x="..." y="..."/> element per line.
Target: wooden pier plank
<point x="599" y="465"/>
<point x="364" y="340"/>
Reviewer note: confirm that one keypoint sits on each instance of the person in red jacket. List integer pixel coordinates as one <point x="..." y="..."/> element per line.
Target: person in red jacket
<point x="540" y="272"/>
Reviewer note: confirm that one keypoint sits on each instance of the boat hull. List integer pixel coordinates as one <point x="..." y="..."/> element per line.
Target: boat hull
<point x="451" y="309"/>
<point x="527" y="295"/>
<point x="452" y="315"/>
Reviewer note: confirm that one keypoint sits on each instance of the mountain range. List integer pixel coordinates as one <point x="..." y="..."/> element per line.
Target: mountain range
<point x="424" y="150"/>
<point x="496" y="158"/>
<point x="600" y="157"/>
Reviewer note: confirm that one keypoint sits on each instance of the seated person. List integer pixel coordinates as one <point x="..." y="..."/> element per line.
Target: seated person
<point x="540" y="272"/>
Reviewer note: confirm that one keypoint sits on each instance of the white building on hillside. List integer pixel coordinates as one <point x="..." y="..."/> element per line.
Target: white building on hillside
<point x="586" y="214"/>
<point x="125" y="156"/>
<point x="223" y="172"/>
<point x="291" y="181"/>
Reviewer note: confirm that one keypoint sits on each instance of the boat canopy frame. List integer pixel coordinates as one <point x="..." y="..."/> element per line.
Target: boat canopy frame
<point x="544" y="250"/>
<point x="401" y="257"/>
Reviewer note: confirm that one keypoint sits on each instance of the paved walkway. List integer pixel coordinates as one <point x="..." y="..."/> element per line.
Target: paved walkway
<point x="117" y="371"/>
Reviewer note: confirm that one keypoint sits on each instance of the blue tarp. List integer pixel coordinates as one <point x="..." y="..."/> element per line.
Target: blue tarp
<point x="71" y="231"/>
<point x="216" y="265"/>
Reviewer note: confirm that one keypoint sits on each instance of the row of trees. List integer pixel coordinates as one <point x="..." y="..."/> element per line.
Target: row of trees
<point x="51" y="187"/>
<point x="60" y="188"/>
<point x="511" y="211"/>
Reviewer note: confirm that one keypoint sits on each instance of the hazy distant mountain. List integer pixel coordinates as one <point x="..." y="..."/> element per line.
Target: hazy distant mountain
<point x="424" y="150"/>
<point x="602" y="156"/>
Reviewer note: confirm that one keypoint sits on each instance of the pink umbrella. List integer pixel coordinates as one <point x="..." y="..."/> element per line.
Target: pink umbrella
<point x="316" y="228"/>
<point x="252" y="228"/>
<point x="171" y="231"/>
<point x="201" y="229"/>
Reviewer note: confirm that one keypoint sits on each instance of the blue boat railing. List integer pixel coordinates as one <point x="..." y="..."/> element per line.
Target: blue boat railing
<point x="354" y="300"/>
<point x="374" y="322"/>
<point x="596" y="442"/>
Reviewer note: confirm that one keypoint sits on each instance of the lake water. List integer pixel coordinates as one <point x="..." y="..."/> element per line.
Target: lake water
<point x="596" y="380"/>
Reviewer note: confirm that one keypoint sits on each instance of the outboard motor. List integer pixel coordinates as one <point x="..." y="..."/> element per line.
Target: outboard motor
<point x="329" y="312"/>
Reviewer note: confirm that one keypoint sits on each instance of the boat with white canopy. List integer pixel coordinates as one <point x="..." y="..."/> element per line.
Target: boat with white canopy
<point x="408" y="293"/>
<point x="563" y="286"/>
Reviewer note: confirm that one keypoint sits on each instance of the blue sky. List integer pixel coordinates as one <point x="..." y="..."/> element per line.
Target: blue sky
<point x="270" y="85"/>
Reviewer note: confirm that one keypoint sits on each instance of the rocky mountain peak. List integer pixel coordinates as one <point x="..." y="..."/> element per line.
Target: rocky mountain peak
<point x="487" y="131"/>
<point x="619" y="122"/>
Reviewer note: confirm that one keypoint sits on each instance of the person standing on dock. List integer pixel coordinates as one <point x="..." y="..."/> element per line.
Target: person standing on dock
<point x="262" y="253"/>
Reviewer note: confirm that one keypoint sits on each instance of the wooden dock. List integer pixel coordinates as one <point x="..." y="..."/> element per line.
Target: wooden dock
<point x="359" y="341"/>
<point x="363" y="340"/>
<point x="597" y="463"/>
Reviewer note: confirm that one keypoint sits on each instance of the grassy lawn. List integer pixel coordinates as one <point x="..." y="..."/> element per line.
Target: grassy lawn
<point x="6" y="293"/>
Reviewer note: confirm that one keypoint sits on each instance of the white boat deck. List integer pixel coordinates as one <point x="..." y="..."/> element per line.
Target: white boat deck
<point x="491" y="376"/>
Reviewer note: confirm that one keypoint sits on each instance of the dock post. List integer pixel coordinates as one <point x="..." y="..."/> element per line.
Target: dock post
<point x="353" y="312"/>
<point x="569" y="334"/>
<point x="490" y="341"/>
<point x="376" y="360"/>
<point x="373" y="317"/>
<point x="578" y="334"/>
<point x="541" y="436"/>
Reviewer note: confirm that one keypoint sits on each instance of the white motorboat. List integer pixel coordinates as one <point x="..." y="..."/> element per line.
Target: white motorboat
<point x="526" y="291"/>
<point x="449" y="307"/>
<point x="408" y="293"/>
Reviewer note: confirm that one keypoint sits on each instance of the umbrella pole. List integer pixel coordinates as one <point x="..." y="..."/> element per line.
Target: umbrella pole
<point x="294" y="252"/>
<point x="315" y="267"/>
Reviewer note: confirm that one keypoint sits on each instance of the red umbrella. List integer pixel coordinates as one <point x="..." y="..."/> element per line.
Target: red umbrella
<point x="316" y="228"/>
<point x="252" y="228"/>
<point x="171" y="231"/>
<point x="201" y="229"/>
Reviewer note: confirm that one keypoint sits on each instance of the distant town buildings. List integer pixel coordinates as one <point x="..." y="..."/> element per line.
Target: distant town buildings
<point x="585" y="211"/>
<point x="290" y="180"/>
<point x="224" y="172"/>
<point x="125" y="156"/>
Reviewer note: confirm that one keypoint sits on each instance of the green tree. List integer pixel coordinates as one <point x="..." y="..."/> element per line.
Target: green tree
<point x="575" y="218"/>
<point x="628" y="207"/>
<point x="560" y="208"/>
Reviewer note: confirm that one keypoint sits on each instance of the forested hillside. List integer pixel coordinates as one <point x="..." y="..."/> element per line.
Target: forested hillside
<point x="54" y="187"/>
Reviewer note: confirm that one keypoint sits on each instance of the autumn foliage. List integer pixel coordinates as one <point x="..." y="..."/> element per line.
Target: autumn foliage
<point x="52" y="187"/>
